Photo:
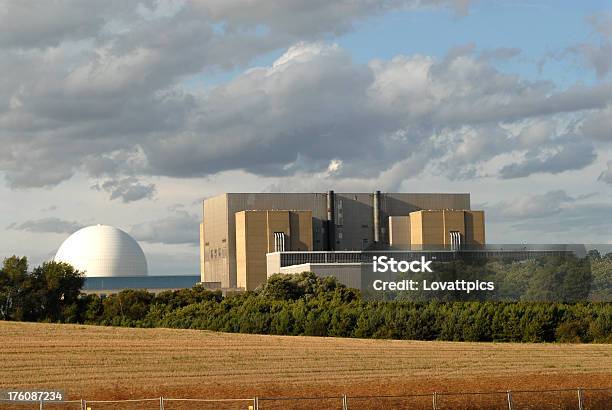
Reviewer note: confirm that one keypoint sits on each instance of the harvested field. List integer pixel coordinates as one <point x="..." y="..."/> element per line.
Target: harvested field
<point x="119" y="363"/>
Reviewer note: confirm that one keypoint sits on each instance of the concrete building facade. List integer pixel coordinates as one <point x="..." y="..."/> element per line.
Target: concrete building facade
<point x="261" y="232"/>
<point x="448" y="228"/>
<point x="349" y="274"/>
<point x="339" y="222"/>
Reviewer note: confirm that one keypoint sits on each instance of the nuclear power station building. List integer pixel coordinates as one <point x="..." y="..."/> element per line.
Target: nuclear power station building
<point x="239" y="231"/>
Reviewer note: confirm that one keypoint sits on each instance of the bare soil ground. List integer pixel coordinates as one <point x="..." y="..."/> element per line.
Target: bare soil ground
<point x="102" y="363"/>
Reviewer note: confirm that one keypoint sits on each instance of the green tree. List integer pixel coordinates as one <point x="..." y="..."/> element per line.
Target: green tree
<point x="601" y="288"/>
<point x="127" y="308"/>
<point x="51" y="293"/>
<point x="13" y="275"/>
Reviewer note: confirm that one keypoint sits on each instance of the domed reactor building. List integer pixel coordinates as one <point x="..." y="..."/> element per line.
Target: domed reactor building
<point x="103" y="251"/>
<point x="112" y="261"/>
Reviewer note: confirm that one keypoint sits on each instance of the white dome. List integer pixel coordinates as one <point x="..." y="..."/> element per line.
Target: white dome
<point x="103" y="251"/>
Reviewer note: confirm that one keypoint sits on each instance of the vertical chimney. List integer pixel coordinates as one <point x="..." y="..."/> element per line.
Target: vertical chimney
<point x="376" y="216"/>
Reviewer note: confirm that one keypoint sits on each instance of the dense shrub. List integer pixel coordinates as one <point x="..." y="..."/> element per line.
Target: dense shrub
<point x="296" y="305"/>
<point x="306" y="305"/>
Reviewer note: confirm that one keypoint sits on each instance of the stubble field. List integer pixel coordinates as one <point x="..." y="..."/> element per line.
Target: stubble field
<point x="99" y="363"/>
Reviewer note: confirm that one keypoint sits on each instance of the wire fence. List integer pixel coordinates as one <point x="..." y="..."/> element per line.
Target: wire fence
<point x="577" y="398"/>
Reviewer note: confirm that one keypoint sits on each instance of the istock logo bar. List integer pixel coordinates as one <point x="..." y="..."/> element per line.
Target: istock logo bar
<point x="384" y="264"/>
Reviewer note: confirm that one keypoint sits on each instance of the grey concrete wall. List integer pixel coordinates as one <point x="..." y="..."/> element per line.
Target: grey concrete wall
<point x="349" y="274"/>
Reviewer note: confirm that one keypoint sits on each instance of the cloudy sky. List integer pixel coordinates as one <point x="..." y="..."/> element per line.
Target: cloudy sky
<point x="129" y="113"/>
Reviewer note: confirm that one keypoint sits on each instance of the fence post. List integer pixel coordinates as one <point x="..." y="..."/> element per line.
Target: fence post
<point x="41" y="404"/>
<point x="256" y="403"/>
<point x="161" y="403"/>
<point x="509" y="400"/>
<point x="580" y="403"/>
<point x="344" y="402"/>
<point x="82" y="405"/>
<point x="435" y="401"/>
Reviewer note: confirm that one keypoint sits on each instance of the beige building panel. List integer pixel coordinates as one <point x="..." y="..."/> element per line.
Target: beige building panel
<point x="433" y="227"/>
<point x="241" y="249"/>
<point x="217" y="250"/>
<point x="277" y="221"/>
<point x="255" y="238"/>
<point x="251" y="243"/>
<point x="301" y="230"/>
<point x="257" y="247"/>
<point x="202" y="242"/>
<point x="416" y="228"/>
<point x="453" y="221"/>
<point x="475" y="227"/>
<point x="399" y="231"/>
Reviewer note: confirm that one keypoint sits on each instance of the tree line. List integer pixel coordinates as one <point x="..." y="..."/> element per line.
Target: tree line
<point x="301" y="304"/>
